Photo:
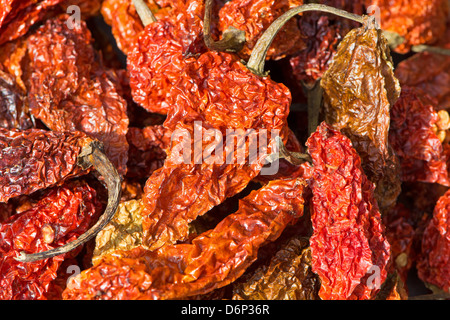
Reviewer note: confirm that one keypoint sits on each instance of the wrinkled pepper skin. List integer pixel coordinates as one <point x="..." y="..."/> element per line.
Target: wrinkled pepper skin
<point x="416" y="144"/>
<point x="34" y="159"/>
<point x="58" y="217"/>
<point x="434" y="262"/>
<point x="218" y="92"/>
<point x="69" y="89"/>
<point x="359" y="90"/>
<point x="322" y="33"/>
<point x="160" y="52"/>
<point x="125" y="23"/>
<point x="14" y="110"/>
<point x="254" y="17"/>
<point x="17" y="17"/>
<point x="288" y="276"/>
<point x="429" y="74"/>
<point x="146" y="150"/>
<point x="211" y="260"/>
<point x="401" y="233"/>
<point x="419" y="22"/>
<point x="123" y="232"/>
<point x="348" y="242"/>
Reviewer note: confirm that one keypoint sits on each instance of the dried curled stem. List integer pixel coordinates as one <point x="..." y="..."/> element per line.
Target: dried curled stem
<point x="295" y="158"/>
<point x="426" y="48"/>
<point x="432" y="296"/>
<point x="394" y="40"/>
<point x="314" y="94"/>
<point x="144" y="12"/>
<point x="258" y="57"/>
<point x="91" y="155"/>
<point x="233" y="39"/>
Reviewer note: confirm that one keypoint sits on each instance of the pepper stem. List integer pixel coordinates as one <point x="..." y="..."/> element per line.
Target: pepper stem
<point x="314" y="93"/>
<point x="144" y="12"/>
<point x="426" y="48"/>
<point x="258" y="57"/>
<point x="233" y="39"/>
<point x="91" y="155"/>
<point x="295" y="158"/>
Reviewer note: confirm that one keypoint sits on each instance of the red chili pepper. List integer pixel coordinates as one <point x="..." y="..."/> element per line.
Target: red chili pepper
<point x="254" y="16"/>
<point x="160" y="53"/>
<point x="60" y="216"/>
<point x="36" y="159"/>
<point x="69" y="89"/>
<point x="348" y="246"/>
<point x="211" y="260"/>
<point x="434" y="261"/>
<point x="146" y="153"/>
<point x="322" y="34"/>
<point x="417" y="22"/>
<point x="414" y="140"/>
<point x="177" y="193"/>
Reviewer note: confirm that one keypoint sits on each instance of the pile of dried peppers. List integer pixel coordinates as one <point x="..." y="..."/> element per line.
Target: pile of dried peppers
<point x="211" y="149"/>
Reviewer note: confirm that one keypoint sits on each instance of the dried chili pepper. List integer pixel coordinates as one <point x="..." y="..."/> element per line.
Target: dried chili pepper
<point x="214" y="78"/>
<point x="146" y="152"/>
<point x="287" y="277"/>
<point x="254" y="17"/>
<point x="212" y="260"/>
<point x="359" y="91"/>
<point x="162" y="50"/>
<point x="68" y="88"/>
<point x="418" y="22"/>
<point x="323" y="33"/>
<point x="123" y="232"/>
<point x="125" y="22"/>
<point x="17" y="17"/>
<point x="429" y="74"/>
<point x="433" y="263"/>
<point x="414" y="140"/>
<point x="35" y="159"/>
<point x="179" y="192"/>
<point x="14" y="112"/>
<point x="400" y="232"/>
<point x="348" y="245"/>
<point x="59" y="217"/>
<point x="47" y="159"/>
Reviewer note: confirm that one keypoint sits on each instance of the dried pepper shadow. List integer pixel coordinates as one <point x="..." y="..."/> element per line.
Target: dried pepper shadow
<point x="91" y="155"/>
